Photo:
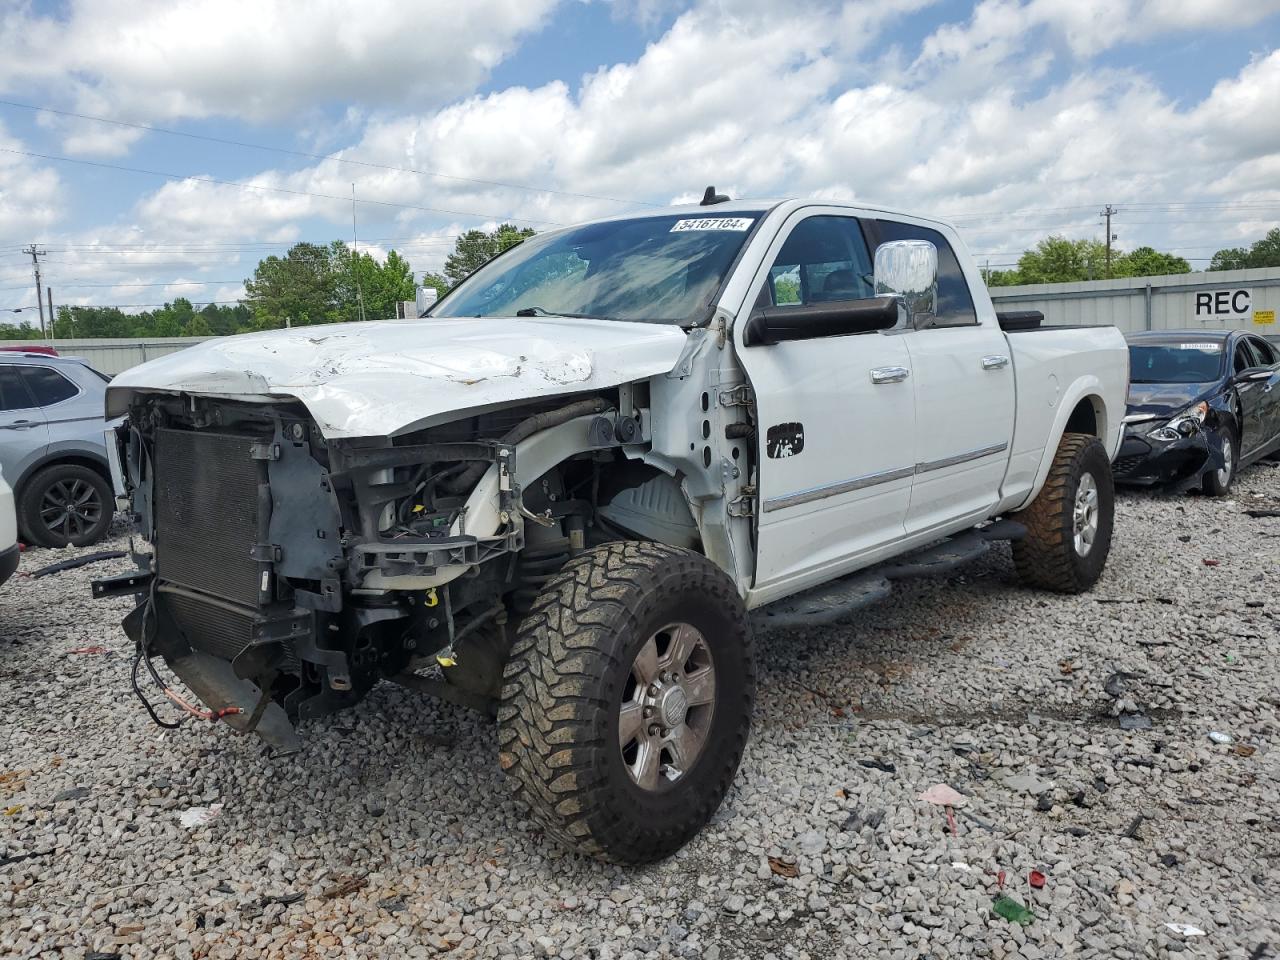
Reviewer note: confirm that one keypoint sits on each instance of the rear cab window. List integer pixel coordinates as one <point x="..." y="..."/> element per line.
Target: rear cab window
<point x="955" y="301"/>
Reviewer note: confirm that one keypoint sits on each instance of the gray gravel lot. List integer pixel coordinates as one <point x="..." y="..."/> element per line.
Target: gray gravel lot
<point x="392" y="834"/>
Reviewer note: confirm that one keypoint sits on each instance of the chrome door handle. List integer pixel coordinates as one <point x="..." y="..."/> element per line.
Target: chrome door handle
<point x="889" y="374"/>
<point x="994" y="363"/>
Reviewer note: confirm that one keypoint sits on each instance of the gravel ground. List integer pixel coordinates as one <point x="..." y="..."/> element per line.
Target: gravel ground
<point x="392" y="835"/>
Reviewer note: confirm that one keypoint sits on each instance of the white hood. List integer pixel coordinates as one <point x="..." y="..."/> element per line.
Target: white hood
<point x="389" y="377"/>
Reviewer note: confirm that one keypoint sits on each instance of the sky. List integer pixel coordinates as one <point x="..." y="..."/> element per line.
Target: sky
<point x="160" y="148"/>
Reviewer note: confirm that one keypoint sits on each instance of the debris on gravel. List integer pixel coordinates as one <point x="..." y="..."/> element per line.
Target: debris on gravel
<point x="392" y="835"/>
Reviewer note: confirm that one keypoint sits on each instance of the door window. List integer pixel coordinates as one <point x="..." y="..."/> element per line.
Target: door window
<point x="1265" y="352"/>
<point x="825" y="259"/>
<point x="13" y="395"/>
<point x="48" y="386"/>
<point x="1244" y="357"/>
<point x="955" y="302"/>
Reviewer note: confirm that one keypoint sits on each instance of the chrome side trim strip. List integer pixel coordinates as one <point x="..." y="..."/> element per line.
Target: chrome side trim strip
<point x="872" y="479"/>
<point x="835" y="489"/>
<point x="961" y="458"/>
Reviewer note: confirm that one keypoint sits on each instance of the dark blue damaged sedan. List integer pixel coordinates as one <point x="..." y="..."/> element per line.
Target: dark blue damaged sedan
<point x="1202" y="405"/>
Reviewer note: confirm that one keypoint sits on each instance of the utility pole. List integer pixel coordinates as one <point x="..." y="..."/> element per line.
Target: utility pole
<point x="355" y="253"/>
<point x="36" y="254"/>
<point x="48" y="292"/>
<point x="1109" y="213"/>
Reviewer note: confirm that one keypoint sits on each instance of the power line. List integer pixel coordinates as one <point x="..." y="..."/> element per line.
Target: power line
<point x="321" y="156"/>
<point x="254" y="186"/>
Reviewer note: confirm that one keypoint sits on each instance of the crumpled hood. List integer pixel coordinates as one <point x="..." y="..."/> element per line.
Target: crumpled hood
<point x="388" y="377"/>
<point x="1166" y="399"/>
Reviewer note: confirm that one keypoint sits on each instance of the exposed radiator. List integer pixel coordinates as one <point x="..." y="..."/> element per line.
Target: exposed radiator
<point x="206" y="510"/>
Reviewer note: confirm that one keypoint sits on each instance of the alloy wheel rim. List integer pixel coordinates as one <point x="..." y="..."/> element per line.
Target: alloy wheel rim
<point x="70" y="508"/>
<point x="1224" y="472"/>
<point x="1085" y="515"/>
<point x="667" y="706"/>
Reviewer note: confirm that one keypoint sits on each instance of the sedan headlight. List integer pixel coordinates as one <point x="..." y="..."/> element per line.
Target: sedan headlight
<point x="1185" y="424"/>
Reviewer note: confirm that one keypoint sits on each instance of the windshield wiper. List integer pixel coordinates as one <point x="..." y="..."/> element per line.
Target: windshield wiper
<point x="539" y="312"/>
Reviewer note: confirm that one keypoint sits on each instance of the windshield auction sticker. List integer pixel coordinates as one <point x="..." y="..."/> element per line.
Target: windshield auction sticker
<point x="713" y="223"/>
<point x="1210" y="347"/>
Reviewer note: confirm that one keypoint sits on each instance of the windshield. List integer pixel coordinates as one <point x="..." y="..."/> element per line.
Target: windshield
<point x="656" y="269"/>
<point x="1175" y="362"/>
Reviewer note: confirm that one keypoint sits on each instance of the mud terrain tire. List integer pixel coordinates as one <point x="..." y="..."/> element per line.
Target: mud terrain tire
<point x="1063" y="516"/>
<point x="572" y="675"/>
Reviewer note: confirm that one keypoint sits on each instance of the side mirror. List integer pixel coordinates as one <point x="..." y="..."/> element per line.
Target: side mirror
<point x="425" y="298"/>
<point x="1253" y="373"/>
<point x="907" y="270"/>
<point x="839" y="318"/>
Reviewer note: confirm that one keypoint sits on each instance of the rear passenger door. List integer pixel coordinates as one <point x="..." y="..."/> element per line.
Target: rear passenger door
<point x="1253" y="397"/>
<point x="23" y="432"/>
<point x="73" y="416"/>
<point x="963" y="375"/>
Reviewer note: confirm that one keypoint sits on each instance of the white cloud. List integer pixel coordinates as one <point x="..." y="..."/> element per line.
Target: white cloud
<point x="31" y="196"/>
<point x="255" y="59"/>
<point x="765" y="104"/>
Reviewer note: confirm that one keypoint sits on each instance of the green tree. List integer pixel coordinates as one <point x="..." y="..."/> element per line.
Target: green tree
<point x="1263" y="253"/>
<point x="297" y="289"/>
<point x="21" y="331"/>
<point x="1059" y="260"/>
<point x="1147" y="262"/>
<point x="476" y="247"/>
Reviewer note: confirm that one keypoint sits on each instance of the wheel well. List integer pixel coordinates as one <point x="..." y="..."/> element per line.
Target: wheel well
<point x="59" y="459"/>
<point x="1089" y="416"/>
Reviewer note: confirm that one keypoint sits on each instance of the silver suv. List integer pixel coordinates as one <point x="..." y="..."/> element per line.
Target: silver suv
<point x="52" y="449"/>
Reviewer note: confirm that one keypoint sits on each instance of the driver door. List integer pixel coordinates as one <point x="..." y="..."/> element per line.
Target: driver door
<point x="836" y="415"/>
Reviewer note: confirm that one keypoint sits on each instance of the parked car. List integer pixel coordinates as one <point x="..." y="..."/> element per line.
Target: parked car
<point x="53" y="448"/>
<point x="571" y="481"/>
<point x="1202" y="405"/>
<point x="8" y="532"/>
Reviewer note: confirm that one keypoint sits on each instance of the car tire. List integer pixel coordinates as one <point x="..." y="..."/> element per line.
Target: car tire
<point x="66" y="505"/>
<point x="627" y="700"/>
<point x="1217" y="483"/>
<point x="1069" y="523"/>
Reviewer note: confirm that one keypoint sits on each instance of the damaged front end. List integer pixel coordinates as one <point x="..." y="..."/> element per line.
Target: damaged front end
<point x="291" y="573"/>
<point x="1170" y="451"/>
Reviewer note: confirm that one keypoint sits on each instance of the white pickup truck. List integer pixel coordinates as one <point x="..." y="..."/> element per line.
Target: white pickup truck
<point x="563" y="490"/>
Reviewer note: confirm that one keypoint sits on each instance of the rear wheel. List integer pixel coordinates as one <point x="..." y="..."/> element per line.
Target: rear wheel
<point x="66" y="505"/>
<point x="1070" y="521"/>
<point x="1217" y="483"/>
<point x="628" y="700"/>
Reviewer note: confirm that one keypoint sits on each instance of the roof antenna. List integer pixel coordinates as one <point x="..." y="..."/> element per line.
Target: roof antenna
<point x="711" y="197"/>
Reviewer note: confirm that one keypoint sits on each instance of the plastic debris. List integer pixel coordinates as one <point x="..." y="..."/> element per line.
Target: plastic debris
<point x="943" y="796"/>
<point x="1245" y="749"/>
<point x="1211" y="563"/>
<point x="958" y="865"/>
<point x="1028" y="783"/>
<point x="1036" y="879"/>
<point x="77" y="562"/>
<point x="199" y="816"/>
<point x="1010" y="909"/>
<point x="1135" y="721"/>
<point x="1217" y="737"/>
<point x="1186" y="929"/>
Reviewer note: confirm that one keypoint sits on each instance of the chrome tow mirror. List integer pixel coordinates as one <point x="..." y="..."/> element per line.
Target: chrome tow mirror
<point x="907" y="270"/>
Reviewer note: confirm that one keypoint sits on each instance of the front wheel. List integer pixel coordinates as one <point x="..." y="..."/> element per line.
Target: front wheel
<point x="1217" y="483"/>
<point x="627" y="700"/>
<point x="66" y="505"/>
<point x="1070" y="521"/>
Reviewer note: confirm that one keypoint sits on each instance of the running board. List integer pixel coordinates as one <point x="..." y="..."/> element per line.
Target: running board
<point x="833" y="601"/>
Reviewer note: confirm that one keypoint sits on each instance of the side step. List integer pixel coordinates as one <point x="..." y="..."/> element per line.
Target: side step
<point x="833" y="601"/>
